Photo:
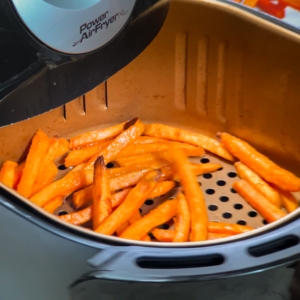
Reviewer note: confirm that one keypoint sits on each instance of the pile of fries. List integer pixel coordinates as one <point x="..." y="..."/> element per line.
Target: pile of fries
<point x="150" y="160"/>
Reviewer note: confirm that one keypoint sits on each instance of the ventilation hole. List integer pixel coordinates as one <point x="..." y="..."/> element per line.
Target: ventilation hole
<point x="241" y="222"/>
<point x="152" y="237"/>
<point x="213" y="207"/>
<point x="204" y="160"/>
<point x="231" y="174"/>
<point x="238" y="206"/>
<point x="140" y="210"/>
<point x="227" y="215"/>
<point x="224" y="198"/>
<point x="200" y="183"/>
<point x="149" y="202"/>
<point x="221" y="182"/>
<point x="62" y="167"/>
<point x="207" y="176"/>
<point x="164" y="226"/>
<point x="62" y="212"/>
<point x="110" y="165"/>
<point x="252" y="214"/>
<point x="265" y="222"/>
<point x="210" y="191"/>
<point x="232" y="190"/>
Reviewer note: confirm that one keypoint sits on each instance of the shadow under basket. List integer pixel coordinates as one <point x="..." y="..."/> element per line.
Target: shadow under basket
<point x="213" y="67"/>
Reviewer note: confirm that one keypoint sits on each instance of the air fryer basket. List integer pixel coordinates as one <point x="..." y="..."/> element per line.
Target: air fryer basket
<point x="212" y="68"/>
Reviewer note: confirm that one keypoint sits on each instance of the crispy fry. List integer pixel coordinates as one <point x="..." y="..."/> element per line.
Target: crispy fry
<point x="101" y="193"/>
<point x="138" y="159"/>
<point x="137" y="149"/>
<point x="63" y="148"/>
<point x="79" y="217"/>
<point x="135" y="217"/>
<point x="146" y="238"/>
<point x="289" y="201"/>
<point x="185" y="136"/>
<point x="259" y="184"/>
<point x="148" y="140"/>
<point x="53" y="204"/>
<point x="63" y="187"/>
<point x="37" y="152"/>
<point x="131" y="204"/>
<point x="88" y="138"/>
<point x="78" y="156"/>
<point x="183" y="220"/>
<point x="226" y="228"/>
<point x="163" y="213"/>
<point x="18" y="174"/>
<point x="260" y="164"/>
<point x="163" y="235"/>
<point x="263" y="206"/>
<point x="193" y="194"/>
<point x="7" y="173"/>
<point x="50" y="155"/>
<point x="46" y="178"/>
<point x="121" y="229"/>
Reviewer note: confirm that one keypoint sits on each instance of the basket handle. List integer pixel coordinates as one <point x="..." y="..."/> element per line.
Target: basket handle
<point x="132" y="263"/>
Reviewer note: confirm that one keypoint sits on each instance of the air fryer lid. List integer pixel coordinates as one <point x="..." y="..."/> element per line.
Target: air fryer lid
<point x="55" y="51"/>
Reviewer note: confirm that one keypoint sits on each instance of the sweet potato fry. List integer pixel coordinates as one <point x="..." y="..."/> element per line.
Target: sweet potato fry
<point x="260" y="164"/>
<point x="45" y="178"/>
<point x="263" y="206"/>
<point x="37" y="151"/>
<point x="18" y="174"/>
<point x="135" y="217"/>
<point x="7" y="173"/>
<point x="63" y="148"/>
<point x="50" y="154"/>
<point x="131" y="204"/>
<point x="226" y="228"/>
<point x="63" y="187"/>
<point x="138" y="159"/>
<point x="259" y="184"/>
<point x="101" y="193"/>
<point x="183" y="220"/>
<point x="163" y="235"/>
<point x="53" y="204"/>
<point x="79" y="217"/>
<point x="78" y="156"/>
<point x="148" y="140"/>
<point x="88" y="138"/>
<point x="289" y="201"/>
<point x="185" y="136"/>
<point x="250" y="3"/>
<point x="146" y="238"/>
<point x="136" y="149"/>
<point x="121" y="229"/>
<point x="193" y="194"/>
<point x="163" y="213"/>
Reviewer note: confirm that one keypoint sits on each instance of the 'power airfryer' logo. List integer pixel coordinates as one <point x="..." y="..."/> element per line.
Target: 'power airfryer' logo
<point x="103" y="22"/>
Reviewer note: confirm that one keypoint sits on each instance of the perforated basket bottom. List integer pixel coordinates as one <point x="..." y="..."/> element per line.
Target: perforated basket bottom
<point x="223" y="203"/>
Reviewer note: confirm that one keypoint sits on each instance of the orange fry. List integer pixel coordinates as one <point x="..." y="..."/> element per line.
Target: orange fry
<point x="46" y="178"/>
<point x="78" y="156"/>
<point x="137" y="149"/>
<point x="131" y="204"/>
<point x="148" y="140"/>
<point x="163" y="213"/>
<point x="193" y="194"/>
<point x="63" y="187"/>
<point x="101" y="193"/>
<point x="63" y="148"/>
<point x="37" y="152"/>
<point x="18" y="174"/>
<point x="185" y="136"/>
<point x="215" y="236"/>
<point x="183" y="220"/>
<point x="163" y="235"/>
<point x="79" y="217"/>
<point x="121" y="229"/>
<point x="257" y="183"/>
<point x="53" y="204"/>
<point x="7" y="173"/>
<point x="88" y="138"/>
<point x="146" y="238"/>
<point x="226" y="228"/>
<point x="263" y="206"/>
<point x="135" y="217"/>
<point x="260" y="164"/>
<point x="137" y="160"/>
